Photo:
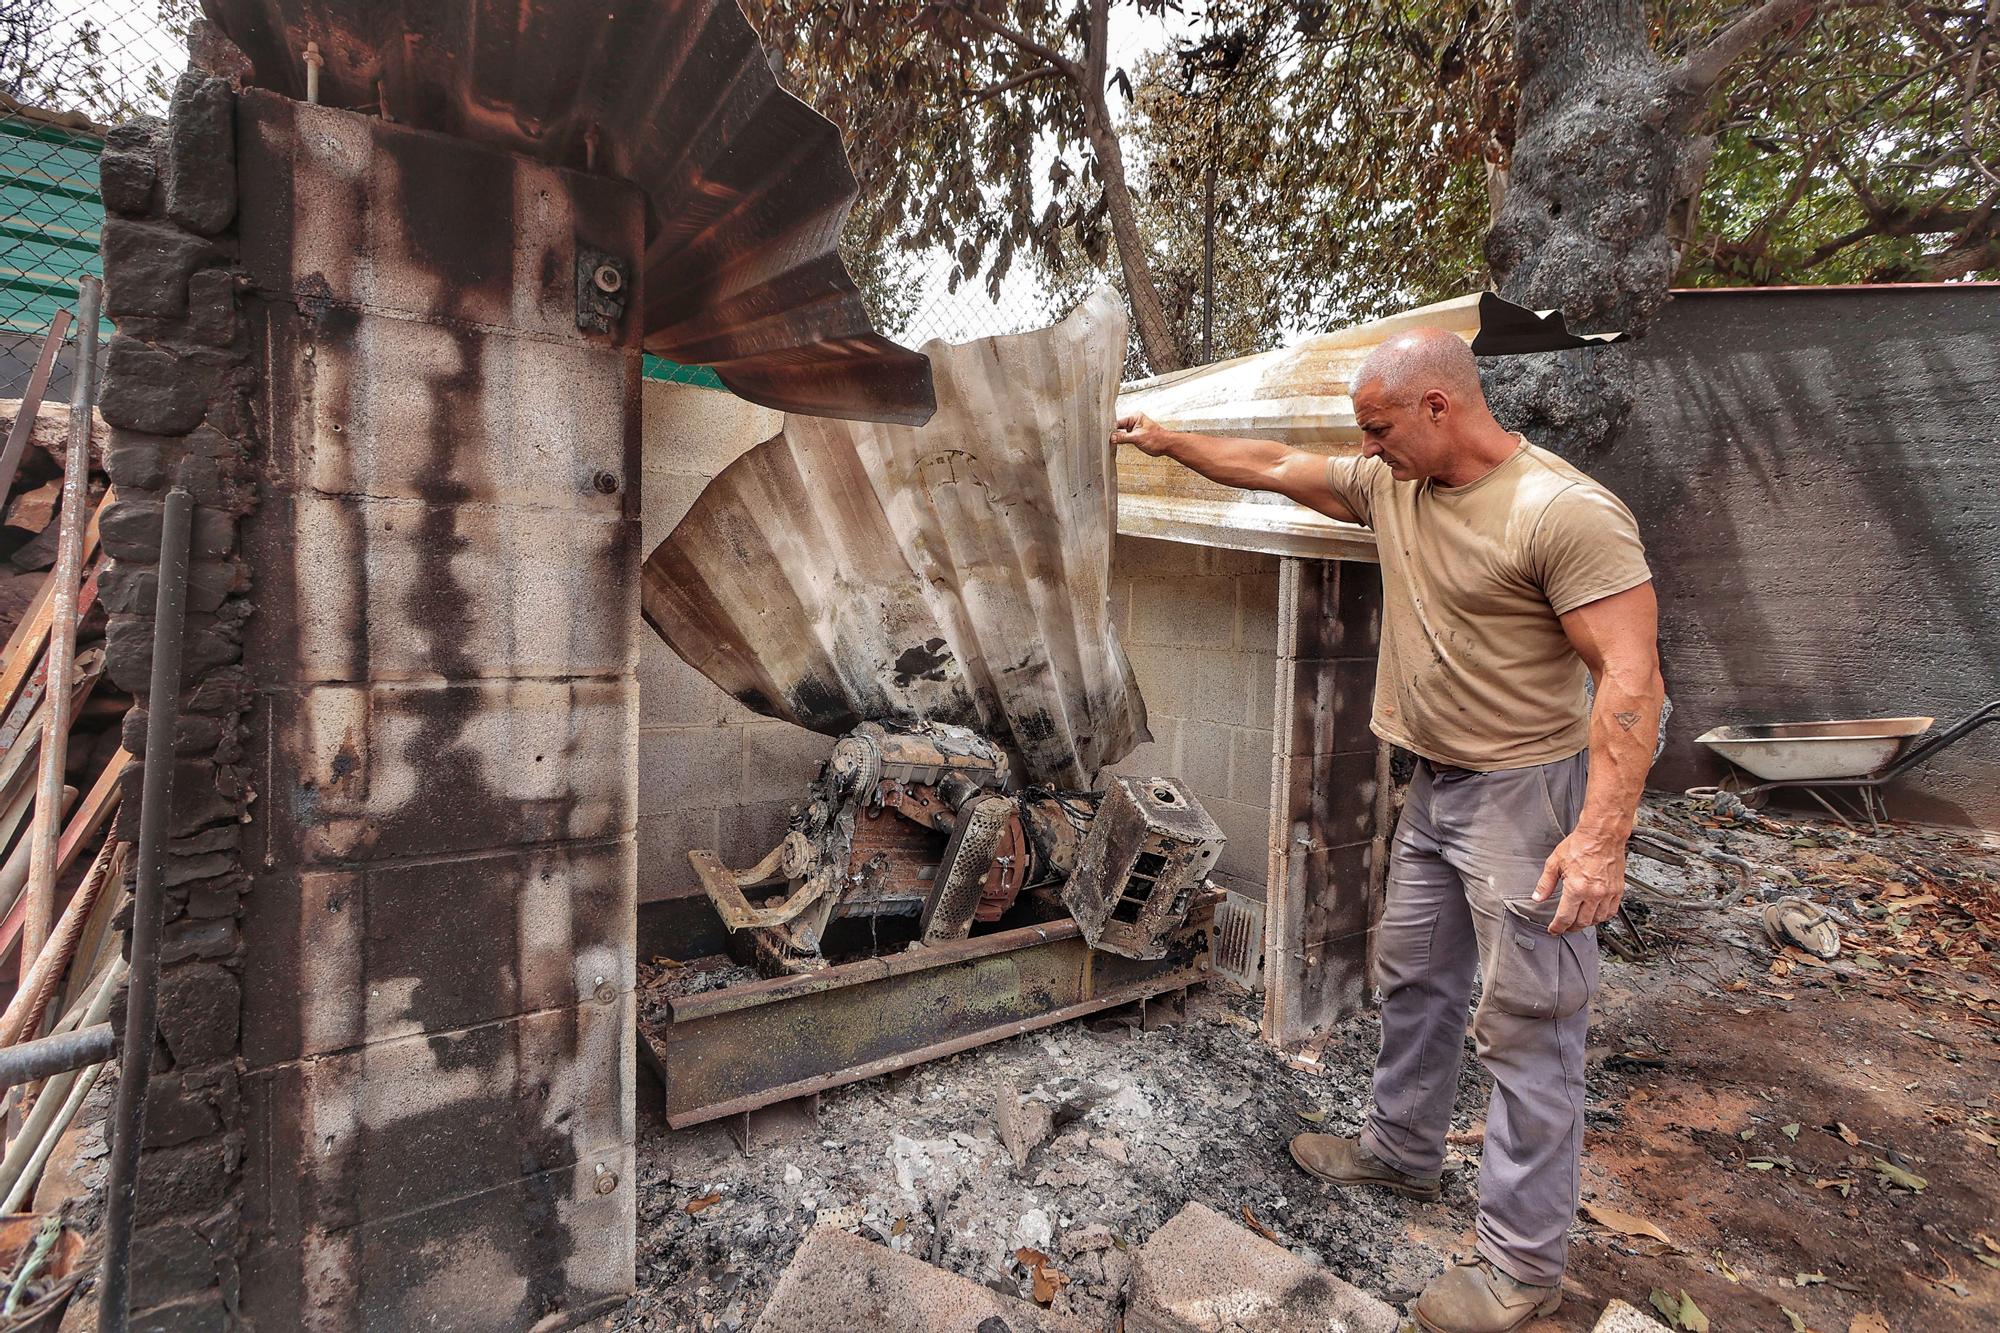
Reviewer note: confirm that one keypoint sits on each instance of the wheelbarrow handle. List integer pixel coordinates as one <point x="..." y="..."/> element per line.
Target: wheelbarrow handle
<point x="1979" y="717"/>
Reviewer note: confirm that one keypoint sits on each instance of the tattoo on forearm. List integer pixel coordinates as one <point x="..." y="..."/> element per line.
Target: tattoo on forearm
<point x="1626" y="720"/>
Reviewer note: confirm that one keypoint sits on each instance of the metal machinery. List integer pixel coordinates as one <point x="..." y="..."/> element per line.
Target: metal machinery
<point x="922" y="820"/>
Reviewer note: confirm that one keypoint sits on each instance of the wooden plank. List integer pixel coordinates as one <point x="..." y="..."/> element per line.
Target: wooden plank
<point x="91" y="813"/>
<point x="31" y="403"/>
<point x="24" y="649"/>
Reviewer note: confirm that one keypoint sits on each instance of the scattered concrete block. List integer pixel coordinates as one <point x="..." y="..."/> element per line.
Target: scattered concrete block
<point x="1023" y="1126"/>
<point x="1618" y="1317"/>
<point x="838" y="1283"/>
<point x="1201" y="1273"/>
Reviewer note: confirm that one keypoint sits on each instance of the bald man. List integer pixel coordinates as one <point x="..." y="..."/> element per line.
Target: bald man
<point x="1507" y="577"/>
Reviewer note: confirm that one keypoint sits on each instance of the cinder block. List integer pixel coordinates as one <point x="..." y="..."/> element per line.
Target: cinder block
<point x="368" y="954"/>
<point x="674" y="694"/>
<point x="1619" y="1317"/>
<point x="1250" y="760"/>
<point x="403" y="1125"/>
<point x="551" y="1250"/>
<point x="1257" y="613"/>
<point x="690" y="768"/>
<point x="665" y="839"/>
<point x="1194" y="611"/>
<point x="415" y="769"/>
<point x="744" y="833"/>
<point x="1262" y="683"/>
<point x="780" y="760"/>
<point x="1164" y="680"/>
<point x="665" y="501"/>
<point x="1148" y="557"/>
<point x="697" y="432"/>
<point x="1222" y="681"/>
<point x="1206" y="750"/>
<point x="1248" y="829"/>
<point x="1224" y="560"/>
<point x="838" y="1282"/>
<point x="399" y="590"/>
<point x="1201" y="1273"/>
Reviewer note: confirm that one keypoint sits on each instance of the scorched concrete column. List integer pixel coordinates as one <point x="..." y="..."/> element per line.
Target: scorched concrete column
<point x="438" y="1023"/>
<point x="1324" y="899"/>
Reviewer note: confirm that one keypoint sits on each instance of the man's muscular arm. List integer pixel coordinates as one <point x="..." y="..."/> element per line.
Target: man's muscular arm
<point x="1617" y="638"/>
<point x="1251" y="465"/>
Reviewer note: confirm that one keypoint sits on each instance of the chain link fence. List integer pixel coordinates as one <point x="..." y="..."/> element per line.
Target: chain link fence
<point x="69" y="70"/>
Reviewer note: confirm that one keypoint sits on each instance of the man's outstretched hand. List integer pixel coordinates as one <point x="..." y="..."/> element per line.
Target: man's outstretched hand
<point x="1142" y="433"/>
<point x="1590" y="866"/>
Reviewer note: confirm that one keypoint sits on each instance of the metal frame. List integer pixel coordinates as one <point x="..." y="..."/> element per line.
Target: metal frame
<point x="731" y="1051"/>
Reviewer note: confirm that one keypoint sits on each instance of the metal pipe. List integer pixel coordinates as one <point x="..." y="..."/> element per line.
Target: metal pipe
<point x="71" y="1105"/>
<point x="56" y="1091"/>
<point x="156" y="800"/>
<point x="14" y="873"/>
<point x="56" y="1055"/>
<point x="62" y="630"/>
<point x="313" y="61"/>
<point x="24" y="1012"/>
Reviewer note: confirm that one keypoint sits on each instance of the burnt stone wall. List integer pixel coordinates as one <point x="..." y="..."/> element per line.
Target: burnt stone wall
<point x="1813" y="471"/>
<point x="177" y="396"/>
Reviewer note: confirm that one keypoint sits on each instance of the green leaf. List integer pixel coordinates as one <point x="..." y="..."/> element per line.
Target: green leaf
<point x="1791" y="1131"/>
<point x="1891" y="1174"/>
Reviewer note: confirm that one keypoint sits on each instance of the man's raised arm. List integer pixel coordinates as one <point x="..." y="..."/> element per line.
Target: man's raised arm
<point x="1251" y="465"/>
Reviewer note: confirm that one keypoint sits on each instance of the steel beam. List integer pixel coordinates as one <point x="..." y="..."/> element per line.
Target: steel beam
<point x="729" y="1051"/>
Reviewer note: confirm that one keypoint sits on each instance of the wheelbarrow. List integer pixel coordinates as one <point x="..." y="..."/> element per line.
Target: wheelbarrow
<point x="1855" y="757"/>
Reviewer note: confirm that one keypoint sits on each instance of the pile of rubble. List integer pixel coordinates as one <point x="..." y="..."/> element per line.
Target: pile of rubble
<point x="1040" y="1168"/>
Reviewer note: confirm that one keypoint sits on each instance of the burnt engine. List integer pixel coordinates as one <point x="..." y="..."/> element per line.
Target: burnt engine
<point x="922" y="820"/>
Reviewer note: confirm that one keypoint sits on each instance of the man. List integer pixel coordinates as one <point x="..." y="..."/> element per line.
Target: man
<point x="1507" y="575"/>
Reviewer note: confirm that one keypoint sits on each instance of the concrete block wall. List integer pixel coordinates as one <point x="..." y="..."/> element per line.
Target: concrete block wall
<point x="712" y="774"/>
<point x="1200" y="626"/>
<point x="437" y="1039"/>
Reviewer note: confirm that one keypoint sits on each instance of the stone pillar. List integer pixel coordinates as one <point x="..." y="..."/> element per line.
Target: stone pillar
<point x="1324" y="895"/>
<point x="437" y="964"/>
<point x="177" y="395"/>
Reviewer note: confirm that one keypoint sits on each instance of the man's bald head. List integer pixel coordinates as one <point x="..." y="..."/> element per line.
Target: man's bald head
<point x="1409" y="365"/>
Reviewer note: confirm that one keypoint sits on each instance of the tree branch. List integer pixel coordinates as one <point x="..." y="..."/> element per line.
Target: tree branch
<point x="1697" y="75"/>
<point x="987" y="94"/>
<point x="979" y="19"/>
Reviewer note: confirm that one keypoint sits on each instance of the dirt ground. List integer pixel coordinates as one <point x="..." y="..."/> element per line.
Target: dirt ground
<point x="1816" y="1142"/>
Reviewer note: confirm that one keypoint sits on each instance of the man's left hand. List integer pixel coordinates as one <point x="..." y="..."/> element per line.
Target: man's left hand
<point x="1590" y="866"/>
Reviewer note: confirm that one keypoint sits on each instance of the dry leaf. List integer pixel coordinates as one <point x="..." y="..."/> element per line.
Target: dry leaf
<point x="1868" y="1323"/>
<point x="1891" y="1174"/>
<point x="1798" y="1323"/>
<point x="1250" y="1220"/>
<point x="1028" y="1258"/>
<point x="1847" y="1136"/>
<point x="899" y="1226"/>
<point x="705" y="1201"/>
<point x="1624" y="1223"/>
<point x="1680" y="1311"/>
<point x="1845" y="1184"/>
<point x="1791" y="1131"/>
<point x="1988" y="1242"/>
<point x="1047" y="1280"/>
<point x="1808" y="1279"/>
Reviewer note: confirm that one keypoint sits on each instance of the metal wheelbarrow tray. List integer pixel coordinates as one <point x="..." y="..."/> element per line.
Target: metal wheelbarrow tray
<point x="1864" y="754"/>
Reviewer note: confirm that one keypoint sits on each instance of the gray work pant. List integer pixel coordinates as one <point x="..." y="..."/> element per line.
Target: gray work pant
<point x="1468" y="852"/>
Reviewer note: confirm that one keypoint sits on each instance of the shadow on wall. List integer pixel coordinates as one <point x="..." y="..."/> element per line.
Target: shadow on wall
<point x="1814" y="474"/>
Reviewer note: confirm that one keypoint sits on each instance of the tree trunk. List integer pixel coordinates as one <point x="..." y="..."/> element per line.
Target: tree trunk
<point x="1602" y="154"/>
<point x="1155" y="334"/>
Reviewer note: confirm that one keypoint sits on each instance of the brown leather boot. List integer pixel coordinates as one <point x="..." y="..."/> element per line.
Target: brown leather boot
<point x="1339" y="1160"/>
<point x="1472" y="1296"/>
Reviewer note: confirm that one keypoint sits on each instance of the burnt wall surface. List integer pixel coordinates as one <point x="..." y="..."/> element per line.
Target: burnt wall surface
<point x="1200" y="627"/>
<point x="177" y="396"/>
<point x="437" y="951"/>
<point x="1814" y="475"/>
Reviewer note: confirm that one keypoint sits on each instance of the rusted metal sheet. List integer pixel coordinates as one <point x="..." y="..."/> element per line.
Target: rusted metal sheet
<point x="956" y="573"/>
<point x="747" y="186"/>
<point x="1296" y="395"/>
<point x="733" y="1050"/>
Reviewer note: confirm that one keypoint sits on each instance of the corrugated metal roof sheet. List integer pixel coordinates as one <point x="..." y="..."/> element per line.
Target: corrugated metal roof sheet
<point x="1296" y="395"/>
<point x="959" y="572"/>
<point x="748" y="186"/>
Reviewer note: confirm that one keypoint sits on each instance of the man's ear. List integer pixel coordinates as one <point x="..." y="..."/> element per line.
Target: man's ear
<point x="1436" y="402"/>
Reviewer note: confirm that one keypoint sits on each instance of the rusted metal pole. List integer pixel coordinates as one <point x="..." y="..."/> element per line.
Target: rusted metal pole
<point x="31" y="403"/>
<point x="156" y="800"/>
<point x="62" y="630"/>
<point x="56" y="1055"/>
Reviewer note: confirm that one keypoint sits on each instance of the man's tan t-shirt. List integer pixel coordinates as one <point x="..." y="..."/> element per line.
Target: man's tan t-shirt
<point x="1475" y="670"/>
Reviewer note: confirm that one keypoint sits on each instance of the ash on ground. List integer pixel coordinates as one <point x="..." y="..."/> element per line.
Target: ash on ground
<point x="1741" y="1098"/>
